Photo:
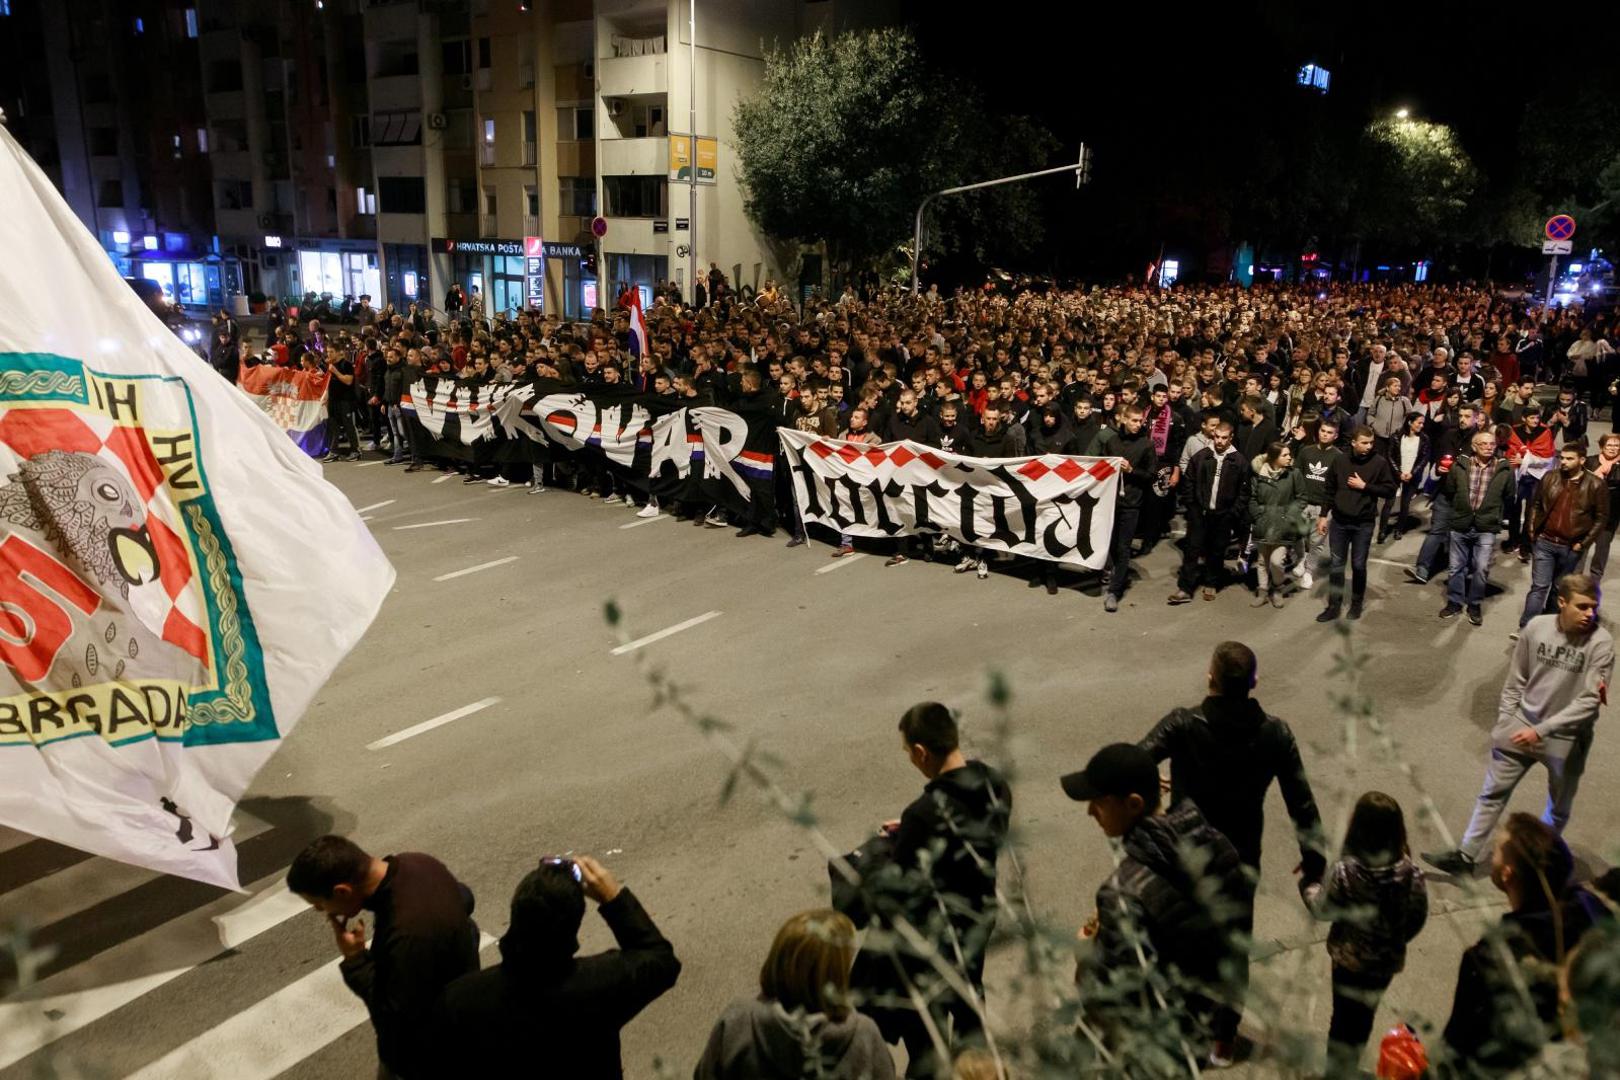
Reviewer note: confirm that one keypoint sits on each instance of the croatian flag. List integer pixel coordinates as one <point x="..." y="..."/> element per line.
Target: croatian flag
<point x="638" y="325"/>
<point x="293" y="399"/>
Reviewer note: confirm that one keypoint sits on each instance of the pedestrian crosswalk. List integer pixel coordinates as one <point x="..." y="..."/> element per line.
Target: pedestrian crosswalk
<point x="74" y="1017"/>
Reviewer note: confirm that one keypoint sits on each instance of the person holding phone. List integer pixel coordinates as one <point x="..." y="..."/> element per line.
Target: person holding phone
<point x="542" y="1003"/>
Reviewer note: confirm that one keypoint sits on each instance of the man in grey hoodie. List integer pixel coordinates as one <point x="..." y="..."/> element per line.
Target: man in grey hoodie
<point x="1558" y="680"/>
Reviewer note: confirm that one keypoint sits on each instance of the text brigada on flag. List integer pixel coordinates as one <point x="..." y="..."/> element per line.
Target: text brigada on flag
<point x="178" y="579"/>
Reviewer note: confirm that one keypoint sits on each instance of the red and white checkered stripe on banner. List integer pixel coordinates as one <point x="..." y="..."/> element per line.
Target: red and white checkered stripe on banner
<point x="1048" y="506"/>
<point x="171" y="605"/>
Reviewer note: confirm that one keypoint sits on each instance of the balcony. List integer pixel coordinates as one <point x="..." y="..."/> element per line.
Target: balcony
<point x="395" y="92"/>
<point x="570" y="83"/>
<point x="631" y="157"/>
<point x="634" y="236"/>
<point x="633" y="76"/>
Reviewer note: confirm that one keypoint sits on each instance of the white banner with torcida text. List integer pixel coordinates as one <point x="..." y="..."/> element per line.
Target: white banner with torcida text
<point x="1046" y="506"/>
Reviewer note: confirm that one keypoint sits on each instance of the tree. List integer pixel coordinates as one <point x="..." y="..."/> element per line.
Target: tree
<point x="1414" y="182"/>
<point x="846" y="135"/>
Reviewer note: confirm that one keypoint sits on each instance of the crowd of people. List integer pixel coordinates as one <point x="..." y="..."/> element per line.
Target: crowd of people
<point x="1291" y="429"/>
<point x="1162" y="958"/>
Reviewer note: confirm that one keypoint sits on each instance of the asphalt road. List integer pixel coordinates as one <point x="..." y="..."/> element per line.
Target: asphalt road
<point x="814" y="659"/>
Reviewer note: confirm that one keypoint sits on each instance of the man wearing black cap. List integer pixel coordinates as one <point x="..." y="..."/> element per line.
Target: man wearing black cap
<point x="1224" y="755"/>
<point x="1165" y="896"/>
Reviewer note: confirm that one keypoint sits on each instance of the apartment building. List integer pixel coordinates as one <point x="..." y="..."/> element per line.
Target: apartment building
<point x="392" y="147"/>
<point x="113" y="112"/>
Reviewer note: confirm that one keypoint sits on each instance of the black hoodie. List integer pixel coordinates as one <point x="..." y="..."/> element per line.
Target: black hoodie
<point x="961" y="820"/>
<point x="1491" y="1030"/>
<point x="1224" y="756"/>
<point x="1357" y="506"/>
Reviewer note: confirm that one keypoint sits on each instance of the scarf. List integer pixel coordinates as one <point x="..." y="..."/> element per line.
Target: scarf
<point x="1161" y="431"/>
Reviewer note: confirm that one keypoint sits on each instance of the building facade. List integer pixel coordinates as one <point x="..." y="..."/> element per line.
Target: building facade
<point x="396" y="147"/>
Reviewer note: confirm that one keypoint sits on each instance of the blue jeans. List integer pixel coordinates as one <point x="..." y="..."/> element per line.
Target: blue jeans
<point x="399" y="429"/>
<point x="1435" y="541"/>
<point x="1549" y="563"/>
<point x="1348" y="540"/>
<point x="1470" y="563"/>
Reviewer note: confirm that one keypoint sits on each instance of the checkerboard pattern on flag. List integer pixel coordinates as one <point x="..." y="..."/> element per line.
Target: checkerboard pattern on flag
<point x="177" y="578"/>
<point x="1047" y="506"/>
<point x="294" y="400"/>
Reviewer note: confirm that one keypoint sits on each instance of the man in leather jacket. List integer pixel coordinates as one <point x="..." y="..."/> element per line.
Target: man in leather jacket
<point x="1224" y="755"/>
<point x="1567" y="513"/>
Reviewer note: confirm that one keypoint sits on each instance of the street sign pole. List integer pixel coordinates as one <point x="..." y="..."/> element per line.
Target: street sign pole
<point x="1082" y="174"/>
<point x="1560" y="233"/>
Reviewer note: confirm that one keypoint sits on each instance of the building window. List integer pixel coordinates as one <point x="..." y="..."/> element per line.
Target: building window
<point x="235" y="195"/>
<point x="104" y="142"/>
<point x="457" y="57"/>
<point x="460" y="195"/>
<point x="401" y="195"/>
<point x="483" y="52"/>
<point x="140" y="25"/>
<point x="635" y="196"/>
<point x="489" y="201"/>
<point x="111" y="193"/>
<point x="402" y="128"/>
<point x="532" y="196"/>
<point x="202" y="140"/>
<point x="365" y="201"/>
<point x="359" y="131"/>
<point x="488" y="150"/>
<point x="531" y="135"/>
<point x="191" y="22"/>
<point x="577" y="195"/>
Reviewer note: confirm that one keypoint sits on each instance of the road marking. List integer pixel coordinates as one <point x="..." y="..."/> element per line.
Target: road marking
<point x="428" y="725"/>
<point x="10" y="838"/>
<point x="430" y="524"/>
<point x="272" y="1035"/>
<point x="475" y="569"/>
<point x="854" y="556"/>
<point x="264" y="910"/>
<point x="83" y="885"/>
<point x="367" y="464"/>
<point x="63" y="1003"/>
<point x="632" y="646"/>
<point x="376" y="506"/>
<point x="446" y="476"/>
<point x="645" y="521"/>
<point x="1390" y="562"/>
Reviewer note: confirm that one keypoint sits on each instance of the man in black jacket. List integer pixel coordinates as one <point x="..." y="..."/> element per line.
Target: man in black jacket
<point x="1164" y="910"/>
<point x="543" y="1004"/>
<point x="1217" y="485"/>
<point x="1135" y="445"/>
<point x="423" y="937"/>
<point x="1506" y="1008"/>
<point x="1224" y="756"/>
<point x="1258" y="430"/>
<point x="941" y="878"/>
<point x="1354" y="485"/>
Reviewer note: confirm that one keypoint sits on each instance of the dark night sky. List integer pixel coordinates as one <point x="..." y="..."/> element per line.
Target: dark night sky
<point x="1149" y="85"/>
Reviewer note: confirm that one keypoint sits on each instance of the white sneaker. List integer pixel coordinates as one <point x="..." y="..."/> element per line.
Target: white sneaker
<point x="983" y="570"/>
<point x="612" y="500"/>
<point x="965" y="565"/>
<point x="499" y="481"/>
<point x="648" y="511"/>
<point x="715" y="520"/>
<point x="537" y="489"/>
<point x="1305" y="580"/>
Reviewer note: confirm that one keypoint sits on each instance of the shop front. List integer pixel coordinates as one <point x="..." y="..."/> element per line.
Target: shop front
<point x="189" y="279"/>
<point x="339" y="271"/>
<point x="496" y="269"/>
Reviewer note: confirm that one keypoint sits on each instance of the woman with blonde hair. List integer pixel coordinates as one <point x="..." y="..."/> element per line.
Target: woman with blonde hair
<point x="803" y="1009"/>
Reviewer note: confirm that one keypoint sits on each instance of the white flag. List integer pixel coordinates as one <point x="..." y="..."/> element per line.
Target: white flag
<point x="176" y="579"/>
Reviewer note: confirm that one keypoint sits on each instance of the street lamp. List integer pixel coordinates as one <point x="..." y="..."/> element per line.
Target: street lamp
<point x="1402" y="113"/>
